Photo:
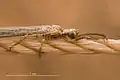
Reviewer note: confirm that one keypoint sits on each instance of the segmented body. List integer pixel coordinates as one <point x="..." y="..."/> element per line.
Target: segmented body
<point x="21" y="31"/>
<point x="44" y="33"/>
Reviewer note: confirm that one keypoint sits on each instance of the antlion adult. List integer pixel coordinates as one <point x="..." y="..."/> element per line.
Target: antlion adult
<point x="46" y="33"/>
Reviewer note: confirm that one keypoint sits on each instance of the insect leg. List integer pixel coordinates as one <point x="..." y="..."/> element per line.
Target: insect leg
<point x="90" y="36"/>
<point x="105" y="39"/>
<point x="40" y="48"/>
<point x="18" y="42"/>
<point x="74" y="42"/>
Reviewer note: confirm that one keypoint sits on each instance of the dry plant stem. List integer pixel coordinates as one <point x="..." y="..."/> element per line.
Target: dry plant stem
<point x="56" y="47"/>
<point x="17" y="42"/>
<point x="25" y="44"/>
<point x="84" y="47"/>
<point x="106" y="43"/>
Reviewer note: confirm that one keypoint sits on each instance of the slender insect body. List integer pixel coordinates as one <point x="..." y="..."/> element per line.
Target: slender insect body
<point x="11" y="32"/>
<point x="46" y="33"/>
<point x="59" y="34"/>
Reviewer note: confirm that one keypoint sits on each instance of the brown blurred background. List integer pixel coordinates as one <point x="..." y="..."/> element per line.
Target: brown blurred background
<point x="88" y="15"/>
<point x="100" y="16"/>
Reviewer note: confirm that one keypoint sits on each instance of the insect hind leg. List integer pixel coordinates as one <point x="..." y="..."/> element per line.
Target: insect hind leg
<point x="17" y="42"/>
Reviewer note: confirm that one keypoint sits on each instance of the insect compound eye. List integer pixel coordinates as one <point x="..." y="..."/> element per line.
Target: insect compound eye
<point x="72" y="35"/>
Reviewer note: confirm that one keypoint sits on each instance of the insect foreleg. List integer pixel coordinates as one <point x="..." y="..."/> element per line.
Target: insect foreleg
<point x="74" y="42"/>
<point x="90" y="36"/>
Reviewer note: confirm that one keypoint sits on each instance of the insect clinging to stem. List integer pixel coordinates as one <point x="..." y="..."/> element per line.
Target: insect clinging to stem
<point x="46" y="33"/>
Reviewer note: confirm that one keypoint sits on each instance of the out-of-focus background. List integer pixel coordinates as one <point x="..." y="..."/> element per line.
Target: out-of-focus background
<point x="100" y="16"/>
<point x="88" y="15"/>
